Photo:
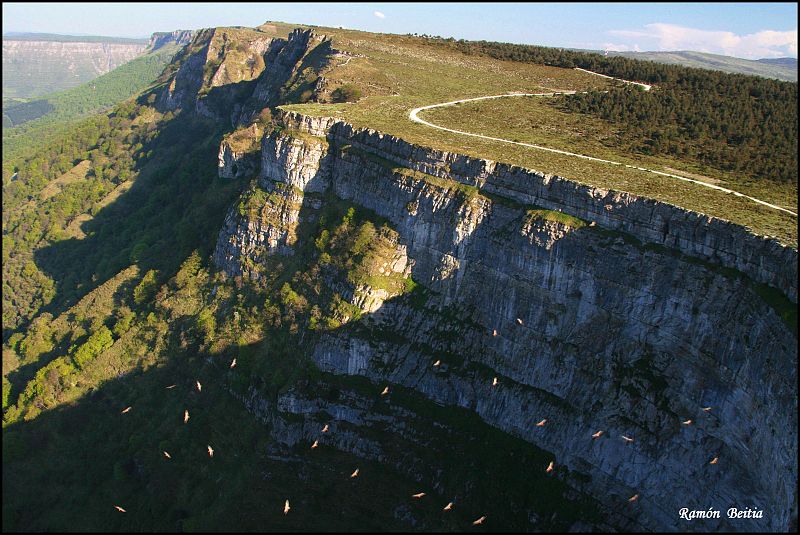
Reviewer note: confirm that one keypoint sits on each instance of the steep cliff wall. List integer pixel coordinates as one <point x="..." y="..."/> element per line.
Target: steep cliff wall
<point x="178" y="37"/>
<point x="595" y="310"/>
<point x="232" y="74"/>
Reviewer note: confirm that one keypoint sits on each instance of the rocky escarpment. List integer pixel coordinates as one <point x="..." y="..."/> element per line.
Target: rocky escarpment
<point x="596" y="310"/>
<point x="232" y="74"/>
<point x="177" y="37"/>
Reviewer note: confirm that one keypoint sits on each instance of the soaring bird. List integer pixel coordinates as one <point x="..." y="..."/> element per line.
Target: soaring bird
<point x="714" y="460"/>
<point x="550" y="467"/>
<point x="418" y="495"/>
<point x="479" y="521"/>
<point x="170" y="386"/>
<point x="167" y="455"/>
<point x="633" y="498"/>
<point x="354" y="474"/>
<point x="437" y="362"/>
<point x="185" y="416"/>
<point x="494" y="381"/>
<point x="120" y="509"/>
<point x="233" y="363"/>
<point x="541" y="424"/>
<point x="325" y="429"/>
<point x="210" y="451"/>
<point x="706" y="409"/>
<point x="315" y="444"/>
<point x="126" y="410"/>
<point x="597" y="435"/>
<point x="519" y="321"/>
<point x="687" y="422"/>
<point x="494" y="332"/>
<point x="626" y="439"/>
<point x="199" y="387"/>
<point x="448" y="507"/>
<point x="286" y="507"/>
<point x="385" y="391"/>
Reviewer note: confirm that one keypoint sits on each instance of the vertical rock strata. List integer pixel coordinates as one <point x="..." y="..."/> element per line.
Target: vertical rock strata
<point x="631" y="325"/>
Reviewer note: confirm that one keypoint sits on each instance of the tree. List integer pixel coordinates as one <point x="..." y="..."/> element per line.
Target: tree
<point x="346" y="93"/>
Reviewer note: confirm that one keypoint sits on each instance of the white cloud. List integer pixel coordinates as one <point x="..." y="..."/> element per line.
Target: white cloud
<point x="379" y="14"/>
<point x="763" y="44"/>
<point x="620" y="47"/>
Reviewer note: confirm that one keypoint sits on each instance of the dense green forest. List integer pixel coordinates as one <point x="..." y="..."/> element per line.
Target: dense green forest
<point x="732" y="122"/>
<point x="25" y="124"/>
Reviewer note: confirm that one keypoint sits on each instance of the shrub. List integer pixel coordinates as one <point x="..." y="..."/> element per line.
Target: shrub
<point x="346" y="93"/>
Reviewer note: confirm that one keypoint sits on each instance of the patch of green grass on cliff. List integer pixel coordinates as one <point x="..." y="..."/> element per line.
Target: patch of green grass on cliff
<point x="780" y="304"/>
<point x="305" y="137"/>
<point x="553" y="215"/>
<point x="467" y="192"/>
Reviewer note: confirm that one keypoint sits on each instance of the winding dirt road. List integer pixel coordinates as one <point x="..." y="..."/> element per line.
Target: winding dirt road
<point x="413" y="115"/>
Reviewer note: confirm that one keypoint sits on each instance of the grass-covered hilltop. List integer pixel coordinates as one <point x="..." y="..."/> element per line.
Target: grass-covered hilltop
<point x="261" y="256"/>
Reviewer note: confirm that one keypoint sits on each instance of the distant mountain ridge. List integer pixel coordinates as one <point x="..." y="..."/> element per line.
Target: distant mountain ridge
<point x="789" y="62"/>
<point x="33" y="36"/>
<point x="778" y="68"/>
<point x="36" y="64"/>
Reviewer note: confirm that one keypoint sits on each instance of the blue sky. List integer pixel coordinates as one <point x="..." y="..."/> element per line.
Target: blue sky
<point x="743" y="30"/>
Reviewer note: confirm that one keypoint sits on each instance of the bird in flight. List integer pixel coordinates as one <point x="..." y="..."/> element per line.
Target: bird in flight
<point x="479" y="521"/>
<point x="714" y="460"/>
<point x="626" y="439"/>
<point x="233" y="363"/>
<point x="315" y="444"/>
<point x="167" y="455"/>
<point x="438" y="362"/>
<point x="385" y="391"/>
<point x="597" y="435"/>
<point x="185" y="416"/>
<point x="126" y="410"/>
<point x="286" y="507"/>
<point x="687" y="422"/>
<point x="325" y="429"/>
<point x="550" y="467"/>
<point x="210" y="451"/>
<point x="199" y="386"/>
<point x="706" y="409"/>
<point x="120" y="509"/>
<point x="418" y="495"/>
<point x="354" y="474"/>
<point x="541" y="424"/>
<point x="448" y="507"/>
<point x="170" y="386"/>
<point x="494" y="381"/>
<point x="633" y="498"/>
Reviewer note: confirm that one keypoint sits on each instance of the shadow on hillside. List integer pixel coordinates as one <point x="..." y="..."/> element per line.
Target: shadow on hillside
<point x="176" y="204"/>
<point x="68" y="467"/>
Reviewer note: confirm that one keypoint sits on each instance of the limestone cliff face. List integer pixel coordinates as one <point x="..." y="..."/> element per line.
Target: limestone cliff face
<point x="231" y="74"/>
<point x="596" y="310"/>
<point x="178" y="37"/>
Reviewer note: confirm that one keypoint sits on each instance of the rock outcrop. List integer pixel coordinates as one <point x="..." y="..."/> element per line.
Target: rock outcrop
<point x="611" y="312"/>
<point x="232" y="74"/>
<point x="177" y="37"/>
